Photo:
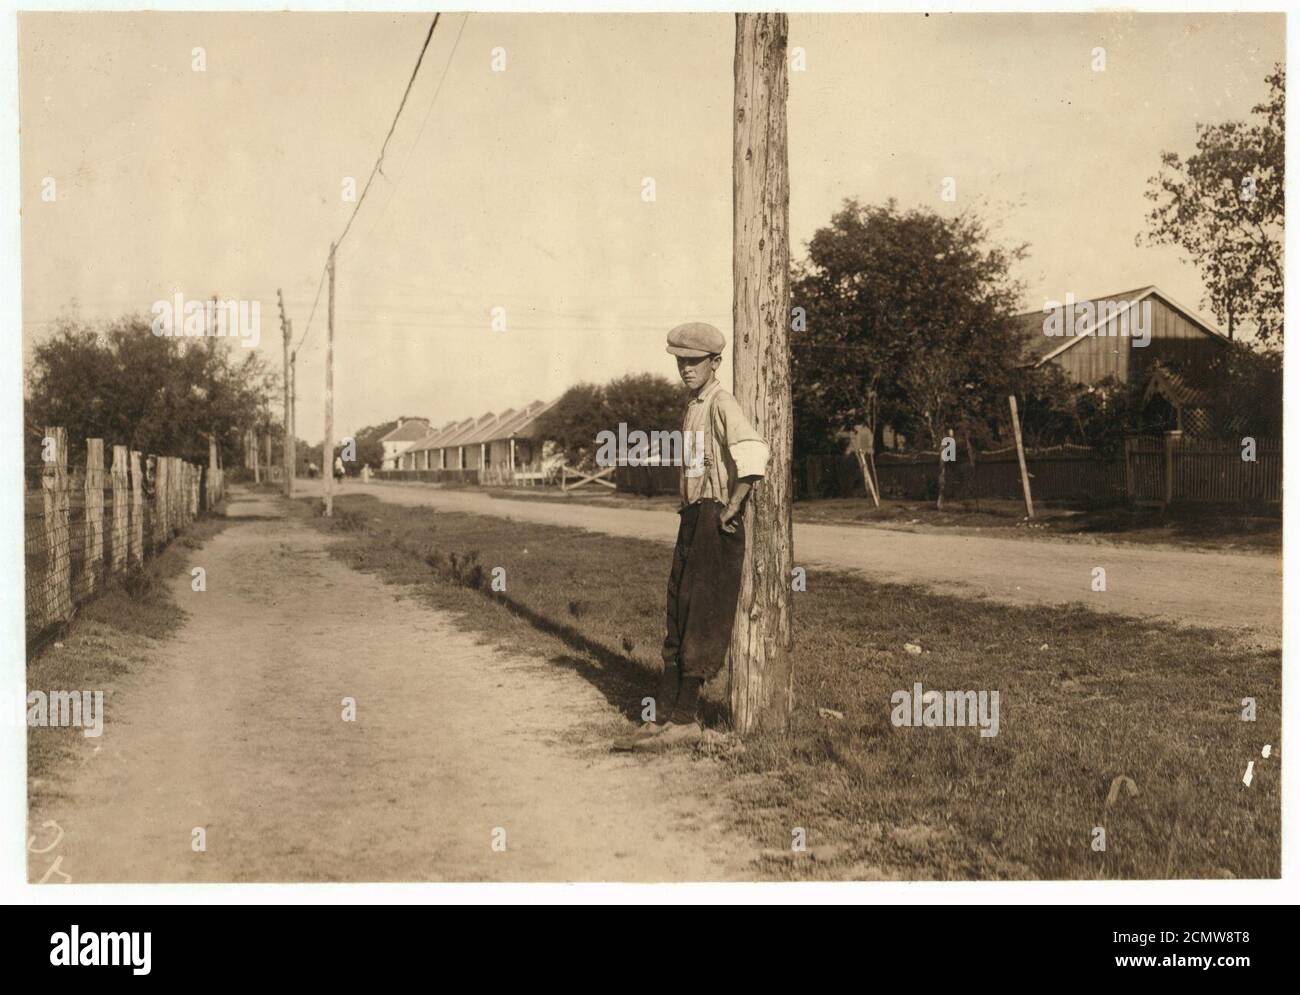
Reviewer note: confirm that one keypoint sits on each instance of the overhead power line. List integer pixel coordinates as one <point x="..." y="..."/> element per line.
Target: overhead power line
<point x="420" y="134"/>
<point x="379" y="162"/>
<point x="315" y="301"/>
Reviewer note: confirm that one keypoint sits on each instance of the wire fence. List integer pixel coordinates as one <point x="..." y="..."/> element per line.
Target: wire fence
<point x="84" y="524"/>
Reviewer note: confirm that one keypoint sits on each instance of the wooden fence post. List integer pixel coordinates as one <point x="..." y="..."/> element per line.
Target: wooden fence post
<point x="165" y="491"/>
<point x="1020" y="452"/>
<point x="214" y="475"/>
<point x="174" y="498"/>
<point x="121" y="521"/>
<point x="54" y="493"/>
<point x="173" y="506"/>
<point x="94" y="515"/>
<point x="1171" y="454"/>
<point x="136" y="551"/>
<point x="151" y="492"/>
<point x="1130" y="482"/>
<point x="160" y="502"/>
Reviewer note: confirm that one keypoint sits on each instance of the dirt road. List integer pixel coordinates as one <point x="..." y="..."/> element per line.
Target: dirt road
<point x="235" y="727"/>
<point x="1240" y="591"/>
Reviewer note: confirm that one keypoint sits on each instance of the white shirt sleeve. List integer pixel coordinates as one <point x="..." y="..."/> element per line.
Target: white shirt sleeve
<point x="750" y="457"/>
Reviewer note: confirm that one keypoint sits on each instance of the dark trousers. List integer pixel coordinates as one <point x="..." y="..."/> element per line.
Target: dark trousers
<point x="703" y="588"/>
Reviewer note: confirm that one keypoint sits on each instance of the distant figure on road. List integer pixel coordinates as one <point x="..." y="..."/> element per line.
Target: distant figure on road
<point x="339" y="471"/>
<point x="365" y="473"/>
<point x="311" y="471"/>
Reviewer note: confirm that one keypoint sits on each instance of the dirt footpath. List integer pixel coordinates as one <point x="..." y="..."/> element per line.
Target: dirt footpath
<point x="1240" y="591"/>
<point x="236" y="727"/>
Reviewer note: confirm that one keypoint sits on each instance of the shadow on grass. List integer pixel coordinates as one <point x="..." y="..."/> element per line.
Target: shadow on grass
<point x="621" y="678"/>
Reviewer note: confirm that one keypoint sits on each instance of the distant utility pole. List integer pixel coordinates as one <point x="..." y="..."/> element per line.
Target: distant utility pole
<point x="293" y="413"/>
<point x="266" y="420"/>
<point x="327" y="448"/>
<point x="761" y="668"/>
<point x="287" y="329"/>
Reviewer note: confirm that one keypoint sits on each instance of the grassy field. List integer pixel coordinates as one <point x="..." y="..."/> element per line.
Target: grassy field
<point x="1209" y="527"/>
<point x="1085" y="699"/>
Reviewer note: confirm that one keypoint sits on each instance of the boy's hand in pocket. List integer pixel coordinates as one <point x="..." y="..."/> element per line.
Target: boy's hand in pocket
<point x="727" y="519"/>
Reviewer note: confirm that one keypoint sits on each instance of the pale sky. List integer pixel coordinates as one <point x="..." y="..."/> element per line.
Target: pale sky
<point x="522" y="189"/>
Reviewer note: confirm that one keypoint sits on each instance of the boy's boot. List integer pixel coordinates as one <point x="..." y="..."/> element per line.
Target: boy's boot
<point x="682" y="725"/>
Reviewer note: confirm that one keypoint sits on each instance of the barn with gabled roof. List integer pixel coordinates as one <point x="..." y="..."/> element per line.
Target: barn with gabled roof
<point x="1124" y="335"/>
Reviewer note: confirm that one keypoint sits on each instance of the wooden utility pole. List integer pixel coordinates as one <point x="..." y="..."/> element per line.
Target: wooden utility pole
<point x="293" y="414"/>
<point x="288" y="441"/>
<point x="327" y="448"/>
<point x="266" y="420"/>
<point x="1020" y="452"/>
<point x="761" y="671"/>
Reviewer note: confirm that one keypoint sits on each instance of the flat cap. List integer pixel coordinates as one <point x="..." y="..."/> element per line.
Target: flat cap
<point x="695" y="338"/>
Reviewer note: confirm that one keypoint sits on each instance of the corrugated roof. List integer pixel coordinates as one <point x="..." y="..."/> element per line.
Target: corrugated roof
<point x="528" y="429"/>
<point x="431" y="438"/>
<point x="485" y="428"/>
<point x="485" y="431"/>
<point x="521" y="425"/>
<point x="459" y="434"/>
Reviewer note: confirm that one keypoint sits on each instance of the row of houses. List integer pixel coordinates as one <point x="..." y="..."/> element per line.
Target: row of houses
<point x="503" y="448"/>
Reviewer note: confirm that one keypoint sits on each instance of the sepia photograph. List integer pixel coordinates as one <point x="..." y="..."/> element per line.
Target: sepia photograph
<point x="674" y="448"/>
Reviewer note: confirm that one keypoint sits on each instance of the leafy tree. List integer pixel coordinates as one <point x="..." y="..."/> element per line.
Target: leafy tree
<point x="907" y="323"/>
<point x="1224" y="206"/>
<point x="644" y="402"/>
<point x="1250" y="402"/>
<point x="574" y="421"/>
<point x="158" y="394"/>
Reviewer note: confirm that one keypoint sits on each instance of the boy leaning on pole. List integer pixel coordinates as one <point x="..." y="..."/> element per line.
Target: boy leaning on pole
<point x="704" y="583"/>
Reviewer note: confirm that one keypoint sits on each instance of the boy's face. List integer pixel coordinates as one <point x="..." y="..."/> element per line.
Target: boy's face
<point x="697" y="371"/>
